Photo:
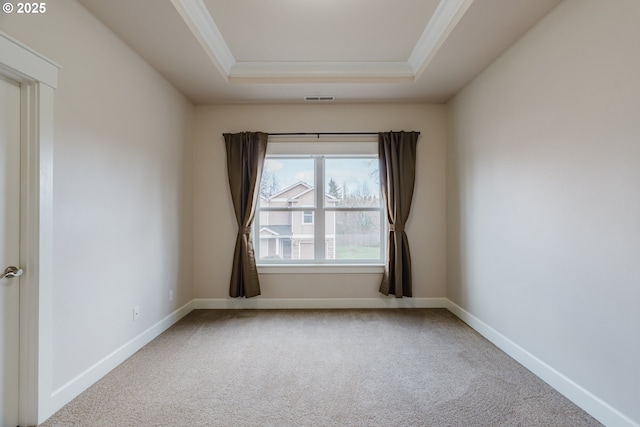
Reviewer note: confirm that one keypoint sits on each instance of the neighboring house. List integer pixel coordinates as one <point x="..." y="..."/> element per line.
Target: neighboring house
<point x="289" y="234"/>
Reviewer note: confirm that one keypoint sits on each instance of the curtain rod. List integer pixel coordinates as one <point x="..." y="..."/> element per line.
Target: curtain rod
<point x="323" y="133"/>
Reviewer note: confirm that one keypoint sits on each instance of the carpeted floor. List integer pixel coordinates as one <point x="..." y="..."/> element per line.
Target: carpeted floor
<point x="405" y="367"/>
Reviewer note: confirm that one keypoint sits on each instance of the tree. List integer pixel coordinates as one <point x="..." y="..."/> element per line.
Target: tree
<point x="358" y="222"/>
<point x="269" y="184"/>
<point x="334" y="189"/>
<point x="361" y="196"/>
<point x="374" y="171"/>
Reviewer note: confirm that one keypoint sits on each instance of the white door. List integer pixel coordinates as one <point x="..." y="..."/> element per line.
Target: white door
<point x="9" y="250"/>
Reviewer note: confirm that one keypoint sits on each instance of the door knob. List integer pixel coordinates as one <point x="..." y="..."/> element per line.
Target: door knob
<point x="11" y="271"/>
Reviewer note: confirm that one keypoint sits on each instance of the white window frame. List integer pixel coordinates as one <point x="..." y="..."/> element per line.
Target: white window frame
<point x="304" y="216"/>
<point x="319" y="151"/>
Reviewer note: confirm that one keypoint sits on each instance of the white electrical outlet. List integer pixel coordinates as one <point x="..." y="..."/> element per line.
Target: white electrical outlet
<point x="136" y="313"/>
<point x="171" y="295"/>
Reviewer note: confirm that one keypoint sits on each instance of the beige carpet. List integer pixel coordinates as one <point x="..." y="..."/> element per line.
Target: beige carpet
<point x="409" y="367"/>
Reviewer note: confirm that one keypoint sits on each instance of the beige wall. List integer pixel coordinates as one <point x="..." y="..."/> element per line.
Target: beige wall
<point x="542" y="180"/>
<point x="215" y="224"/>
<point x="544" y="197"/>
<point x="275" y="218"/>
<point x="122" y="188"/>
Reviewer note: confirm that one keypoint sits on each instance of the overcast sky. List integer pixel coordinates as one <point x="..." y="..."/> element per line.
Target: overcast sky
<point x="347" y="172"/>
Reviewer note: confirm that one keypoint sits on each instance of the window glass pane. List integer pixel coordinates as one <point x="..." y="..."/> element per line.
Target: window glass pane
<point x="353" y="235"/>
<point x="352" y="182"/>
<point x="287" y="182"/>
<point x="285" y="236"/>
<point x="307" y="217"/>
<point x="288" y="218"/>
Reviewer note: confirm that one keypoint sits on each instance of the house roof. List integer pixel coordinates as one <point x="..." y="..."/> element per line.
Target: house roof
<point x="277" y="230"/>
<point x="306" y="188"/>
<point x="284" y="190"/>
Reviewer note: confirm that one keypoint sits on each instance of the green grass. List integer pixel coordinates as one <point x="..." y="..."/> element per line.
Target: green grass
<point x="357" y="252"/>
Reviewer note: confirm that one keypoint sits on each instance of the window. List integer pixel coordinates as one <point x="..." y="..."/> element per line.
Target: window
<point x="307" y="217"/>
<point x="320" y="209"/>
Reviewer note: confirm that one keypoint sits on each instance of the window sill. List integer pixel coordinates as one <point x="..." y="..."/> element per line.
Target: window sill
<point x="321" y="269"/>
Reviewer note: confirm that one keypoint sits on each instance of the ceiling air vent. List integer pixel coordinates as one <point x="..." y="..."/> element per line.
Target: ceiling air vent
<point x="319" y="98"/>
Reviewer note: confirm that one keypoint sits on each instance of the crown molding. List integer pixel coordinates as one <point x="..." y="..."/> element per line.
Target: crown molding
<point x="274" y="72"/>
<point x="199" y="20"/>
<point x="447" y="15"/>
<point x="196" y="15"/>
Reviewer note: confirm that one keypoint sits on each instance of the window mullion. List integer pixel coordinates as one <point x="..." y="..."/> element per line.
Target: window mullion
<point x="318" y="223"/>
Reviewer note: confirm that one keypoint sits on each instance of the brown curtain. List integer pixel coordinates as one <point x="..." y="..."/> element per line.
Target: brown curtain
<point x="397" y="153"/>
<point x="245" y="158"/>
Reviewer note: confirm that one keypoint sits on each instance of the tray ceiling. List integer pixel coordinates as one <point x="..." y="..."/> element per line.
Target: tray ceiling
<point x="220" y="51"/>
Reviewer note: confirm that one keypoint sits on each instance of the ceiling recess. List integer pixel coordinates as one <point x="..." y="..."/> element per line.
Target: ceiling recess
<point x="199" y="19"/>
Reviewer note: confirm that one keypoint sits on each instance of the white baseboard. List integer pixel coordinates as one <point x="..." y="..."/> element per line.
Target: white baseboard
<point x="318" y="303"/>
<point x="595" y="406"/>
<point x="90" y="376"/>
<point x="586" y="400"/>
<point x="73" y="388"/>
